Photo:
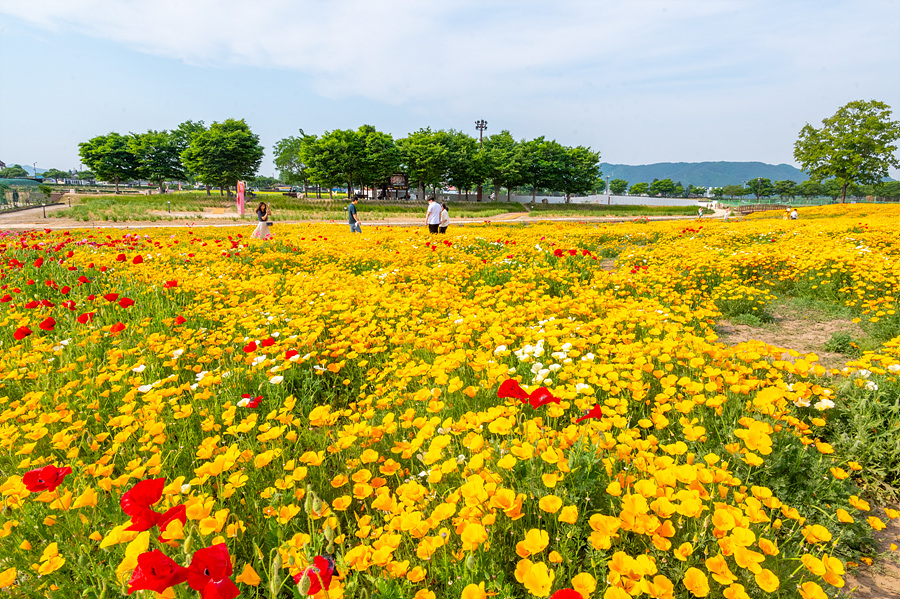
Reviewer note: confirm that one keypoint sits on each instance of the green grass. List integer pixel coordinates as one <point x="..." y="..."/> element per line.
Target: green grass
<point x="612" y="210"/>
<point x="139" y="208"/>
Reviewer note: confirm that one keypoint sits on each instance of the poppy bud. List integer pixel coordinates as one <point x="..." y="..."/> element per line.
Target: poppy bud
<point x="471" y="562"/>
<point x="329" y="533"/>
<point x="330" y="548"/>
<point x="317" y="505"/>
<point x="188" y="544"/>
<point x="275" y="577"/>
<point x="303" y="585"/>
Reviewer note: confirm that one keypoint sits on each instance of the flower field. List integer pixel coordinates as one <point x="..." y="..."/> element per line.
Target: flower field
<point x="501" y="411"/>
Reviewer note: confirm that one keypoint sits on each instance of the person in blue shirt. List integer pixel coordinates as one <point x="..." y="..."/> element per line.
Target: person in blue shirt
<point x="354" y="217"/>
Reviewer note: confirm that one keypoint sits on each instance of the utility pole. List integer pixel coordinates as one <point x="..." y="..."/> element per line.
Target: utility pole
<point x="481" y="125"/>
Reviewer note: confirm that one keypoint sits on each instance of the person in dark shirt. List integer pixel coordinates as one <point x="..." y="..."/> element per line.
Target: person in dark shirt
<point x="354" y="217"/>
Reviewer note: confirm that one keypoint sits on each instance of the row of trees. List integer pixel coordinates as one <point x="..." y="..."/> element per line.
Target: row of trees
<point x="368" y="157"/>
<point x="218" y="155"/>
<point x="833" y="188"/>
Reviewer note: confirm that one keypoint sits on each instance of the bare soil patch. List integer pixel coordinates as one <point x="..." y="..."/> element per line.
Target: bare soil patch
<point x="881" y="580"/>
<point x="795" y="327"/>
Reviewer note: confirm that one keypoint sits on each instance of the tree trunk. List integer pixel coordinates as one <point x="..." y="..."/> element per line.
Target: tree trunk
<point x="330" y="192"/>
<point x="161" y="190"/>
<point x="117" y="185"/>
<point x="508" y="194"/>
<point x="349" y="187"/>
<point x="208" y="192"/>
<point x="533" y="193"/>
<point x="420" y="191"/>
<point x="844" y="192"/>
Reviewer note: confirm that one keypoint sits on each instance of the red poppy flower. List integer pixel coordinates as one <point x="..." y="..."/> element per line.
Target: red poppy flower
<point x="47" y="324"/>
<point x="39" y="262"/>
<point x="117" y="328"/>
<point x="290" y="354"/>
<point x="138" y="259"/>
<point x="65" y="290"/>
<point x="558" y="253"/>
<point x="120" y="258"/>
<point x="319" y="574"/>
<point x="137" y="502"/>
<point x="6" y="298"/>
<point x="594" y="412"/>
<point x="541" y="397"/>
<point x="83" y="279"/>
<point x="32" y="305"/>
<point x="21" y="333"/>
<point x="45" y="479"/>
<point x="250" y="347"/>
<point x="111" y="297"/>
<point x="69" y="304"/>
<point x="254" y="401"/>
<point x="180" y="320"/>
<point x="170" y="284"/>
<point x="126" y="302"/>
<point x="47" y="303"/>
<point x="511" y="388"/>
<point x="566" y="594"/>
<point x="86" y="317"/>
<point x="209" y="573"/>
<point x="267" y="342"/>
<point x="156" y="572"/>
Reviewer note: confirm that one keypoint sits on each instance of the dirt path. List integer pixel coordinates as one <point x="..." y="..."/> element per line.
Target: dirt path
<point x="33" y="219"/>
<point x="881" y="580"/>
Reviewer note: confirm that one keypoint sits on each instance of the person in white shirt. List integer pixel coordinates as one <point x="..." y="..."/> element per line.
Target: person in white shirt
<point x="445" y="219"/>
<point x="433" y="215"/>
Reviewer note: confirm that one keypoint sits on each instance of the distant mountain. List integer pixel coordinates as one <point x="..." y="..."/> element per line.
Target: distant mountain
<point x="703" y="174"/>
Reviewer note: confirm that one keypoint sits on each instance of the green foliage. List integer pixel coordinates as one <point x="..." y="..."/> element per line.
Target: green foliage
<point x="224" y="153"/>
<point x="610" y="210"/>
<point x="110" y="157"/>
<point x="159" y="156"/>
<point x="13" y="172"/>
<point x="856" y="145"/>
<point x="662" y="187"/>
<point x="618" y="186"/>
<point x="863" y="427"/>
<point x="639" y="189"/>
<point x="842" y="342"/>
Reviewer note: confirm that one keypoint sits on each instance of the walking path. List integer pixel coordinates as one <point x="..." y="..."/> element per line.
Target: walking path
<point x="32" y="218"/>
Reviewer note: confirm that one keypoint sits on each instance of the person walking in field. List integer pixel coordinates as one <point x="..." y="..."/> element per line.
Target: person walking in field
<point x="355" y="224"/>
<point x="263" y="228"/>
<point x="445" y="219"/>
<point x="433" y="215"/>
<point x="794" y="214"/>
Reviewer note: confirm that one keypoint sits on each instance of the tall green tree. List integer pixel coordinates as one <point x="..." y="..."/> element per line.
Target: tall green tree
<point x="465" y="164"/>
<point x="785" y="189"/>
<point x="545" y="161"/>
<point x="15" y="171"/>
<point x="55" y="173"/>
<point x="224" y="154"/>
<point x="618" y="186"/>
<point x="110" y="157"/>
<point x="639" y="189"/>
<point x="504" y="160"/>
<point x="182" y="136"/>
<point x="760" y="187"/>
<point x="662" y="187"/>
<point x="291" y="167"/>
<point x="424" y="158"/>
<point x="810" y="189"/>
<point x="856" y="145"/>
<point x="159" y="157"/>
<point x="580" y="171"/>
<point x="381" y="156"/>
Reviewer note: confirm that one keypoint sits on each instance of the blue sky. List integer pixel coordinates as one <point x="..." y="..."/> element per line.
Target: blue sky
<point x="641" y="81"/>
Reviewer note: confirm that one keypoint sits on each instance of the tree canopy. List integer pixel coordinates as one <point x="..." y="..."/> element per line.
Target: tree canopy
<point x="855" y="145"/>
<point x="110" y="157"/>
<point x="224" y="154"/>
<point x="13" y="172"/>
<point x="159" y="157"/>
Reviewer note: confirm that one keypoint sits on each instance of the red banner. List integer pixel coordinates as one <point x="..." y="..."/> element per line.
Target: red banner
<point x="240" y="197"/>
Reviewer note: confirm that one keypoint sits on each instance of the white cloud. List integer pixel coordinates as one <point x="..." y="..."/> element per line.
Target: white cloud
<point x="666" y="72"/>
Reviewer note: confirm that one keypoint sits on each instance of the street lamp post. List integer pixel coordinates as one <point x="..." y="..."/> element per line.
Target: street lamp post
<point x="608" y="196"/>
<point x="481" y="125"/>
